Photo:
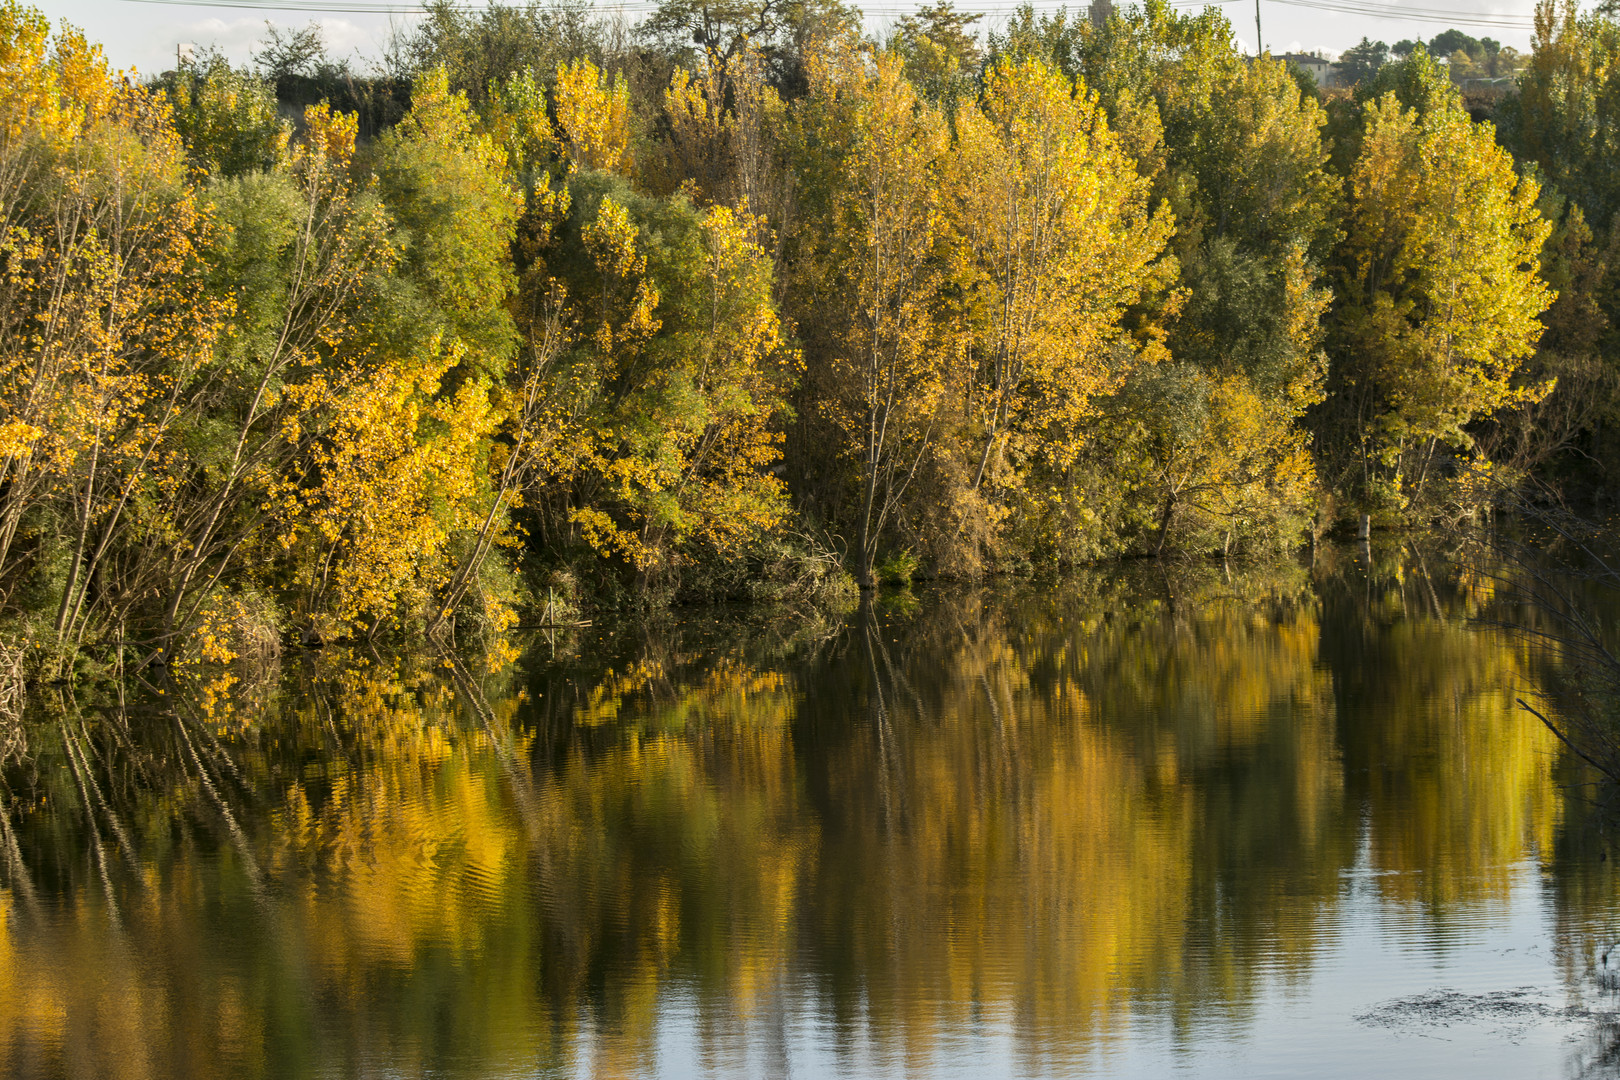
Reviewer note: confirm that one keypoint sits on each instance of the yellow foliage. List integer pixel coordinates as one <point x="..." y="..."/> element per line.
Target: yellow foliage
<point x="103" y="317"/>
<point x="402" y="469"/>
<point x="1444" y="243"/>
<point x="724" y="123"/>
<point x="516" y="121"/>
<point x="685" y="452"/>
<point x="1056" y="242"/>
<point x="877" y="274"/>
<point x="594" y="117"/>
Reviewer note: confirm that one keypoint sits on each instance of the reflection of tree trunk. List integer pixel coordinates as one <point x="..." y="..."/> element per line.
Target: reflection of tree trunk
<point x="1169" y="591"/>
<point x="1006" y="757"/>
<point x="521" y="781"/>
<point x="873" y="645"/>
<point x="96" y="846"/>
<point x="17" y="873"/>
<point x="250" y="865"/>
<point x="1428" y="584"/>
<point x="76" y="742"/>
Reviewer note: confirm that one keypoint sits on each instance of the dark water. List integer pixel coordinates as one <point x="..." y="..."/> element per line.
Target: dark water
<point x="1281" y="821"/>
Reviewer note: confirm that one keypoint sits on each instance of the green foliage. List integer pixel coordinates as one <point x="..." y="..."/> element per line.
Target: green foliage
<point x="1419" y="82"/>
<point x="292" y="53"/>
<point x="1562" y="122"/>
<point x="897" y="568"/>
<point x="786" y="33"/>
<point x="1363" y="60"/>
<point x="674" y="376"/>
<point x="442" y="180"/>
<point x="1052" y="37"/>
<point x="941" y="55"/>
<point x="226" y="116"/>
<point x="1566" y="116"/>
<point x="481" y="47"/>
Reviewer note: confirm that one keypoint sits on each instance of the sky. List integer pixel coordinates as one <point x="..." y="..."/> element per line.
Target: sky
<point x="143" y="34"/>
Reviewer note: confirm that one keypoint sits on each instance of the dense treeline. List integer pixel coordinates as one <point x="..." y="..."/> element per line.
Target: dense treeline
<point x="726" y="301"/>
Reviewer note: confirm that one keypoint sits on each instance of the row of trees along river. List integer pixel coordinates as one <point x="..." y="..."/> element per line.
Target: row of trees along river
<point x="547" y="312"/>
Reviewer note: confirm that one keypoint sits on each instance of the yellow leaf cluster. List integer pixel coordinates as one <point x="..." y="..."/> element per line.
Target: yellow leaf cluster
<point x="594" y="116"/>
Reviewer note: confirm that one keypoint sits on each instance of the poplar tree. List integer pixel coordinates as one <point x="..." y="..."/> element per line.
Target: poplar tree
<point x="873" y="227"/>
<point x="1439" y="299"/>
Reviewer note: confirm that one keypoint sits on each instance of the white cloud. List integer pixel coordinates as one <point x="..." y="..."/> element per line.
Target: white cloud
<point x="144" y="36"/>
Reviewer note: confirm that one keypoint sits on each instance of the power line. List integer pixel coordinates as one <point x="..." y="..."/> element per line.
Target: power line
<point x="1366" y="8"/>
<point x="1415" y="14"/>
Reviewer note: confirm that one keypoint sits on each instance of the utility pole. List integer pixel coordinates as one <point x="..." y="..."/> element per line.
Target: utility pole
<point x="1259" y="47"/>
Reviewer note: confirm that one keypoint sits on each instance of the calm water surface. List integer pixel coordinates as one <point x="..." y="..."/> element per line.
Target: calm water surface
<point x="1279" y="821"/>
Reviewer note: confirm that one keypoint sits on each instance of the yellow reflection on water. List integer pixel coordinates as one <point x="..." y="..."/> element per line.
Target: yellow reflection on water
<point x="1071" y="816"/>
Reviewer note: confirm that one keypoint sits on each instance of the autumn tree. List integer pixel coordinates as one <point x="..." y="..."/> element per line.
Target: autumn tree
<point x="300" y="249"/>
<point x="1246" y="173"/>
<point x="227" y="117"/>
<point x="1439" y="300"/>
<point x="1564" y="117"/>
<point x="1236" y="149"/>
<point x="941" y="54"/>
<point x="726" y="124"/>
<point x="401" y="475"/>
<point x="787" y="34"/>
<point x="1562" y="120"/>
<point x="1053" y="243"/>
<point x="670" y="382"/>
<point x="106" y="324"/>
<point x="593" y="117"/>
<point x="872" y="157"/>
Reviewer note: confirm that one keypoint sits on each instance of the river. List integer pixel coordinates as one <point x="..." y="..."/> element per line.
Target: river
<point x="1279" y="820"/>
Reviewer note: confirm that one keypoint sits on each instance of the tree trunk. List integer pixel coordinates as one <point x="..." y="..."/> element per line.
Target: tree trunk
<point x="867" y="555"/>
<point x="1164" y="525"/>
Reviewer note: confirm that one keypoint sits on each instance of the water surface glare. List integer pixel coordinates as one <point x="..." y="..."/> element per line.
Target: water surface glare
<point x="1249" y="822"/>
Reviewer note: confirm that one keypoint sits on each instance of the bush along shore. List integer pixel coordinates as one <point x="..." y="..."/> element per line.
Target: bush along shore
<point x="546" y="313"/>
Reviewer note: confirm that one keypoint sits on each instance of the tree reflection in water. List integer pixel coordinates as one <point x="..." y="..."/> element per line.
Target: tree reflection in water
<point x="1062" y="816"/>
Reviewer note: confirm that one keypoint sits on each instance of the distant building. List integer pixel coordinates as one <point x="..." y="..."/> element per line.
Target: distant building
<point x="1101" y="12"/>
<point x="1319" y="68"/>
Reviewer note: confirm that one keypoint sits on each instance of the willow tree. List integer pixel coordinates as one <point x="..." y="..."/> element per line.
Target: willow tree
<point x="301" y="245"/>
<point x="1439" y="296"/>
